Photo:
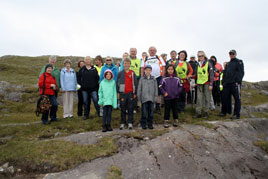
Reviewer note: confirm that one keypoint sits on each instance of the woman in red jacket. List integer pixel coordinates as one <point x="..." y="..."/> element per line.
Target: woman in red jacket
<point x="48" y="83"/>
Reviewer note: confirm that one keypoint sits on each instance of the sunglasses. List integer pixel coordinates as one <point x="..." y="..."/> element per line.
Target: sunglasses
<point x="108" y="60"/>
<point x="231" y="53"/>
<point x="201" y="56"/>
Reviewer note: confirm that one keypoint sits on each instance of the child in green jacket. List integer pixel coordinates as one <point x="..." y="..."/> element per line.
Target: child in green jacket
<point x="107" y="99"/>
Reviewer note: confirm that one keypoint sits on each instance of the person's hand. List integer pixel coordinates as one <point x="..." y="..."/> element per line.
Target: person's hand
<point x="53" y="86"/>
<point x="118" y="96"/>
<point x="166" y="94"/>
<point x="134" y="96"/>
<point x="100" y="105"/>
<point x="210" y="88"/>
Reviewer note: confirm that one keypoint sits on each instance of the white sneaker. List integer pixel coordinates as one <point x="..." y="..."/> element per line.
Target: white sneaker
<point x="130" y="126"/>
<point x="134" y="112"/>
<point x="122" y="126"/>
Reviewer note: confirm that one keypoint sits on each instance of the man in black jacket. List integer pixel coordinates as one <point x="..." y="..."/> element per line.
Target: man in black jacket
<point x="232" y="79"/>
<point x="88" y="78"/>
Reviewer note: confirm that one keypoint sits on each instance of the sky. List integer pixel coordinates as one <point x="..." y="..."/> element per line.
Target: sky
<point x="110" y="28"/>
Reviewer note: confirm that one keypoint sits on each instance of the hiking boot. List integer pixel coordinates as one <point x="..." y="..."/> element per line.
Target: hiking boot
<point x="197" y="116"/>
<point x="222" y="115"/>
<point x="158" y="111"/>
<point x="46" y="122"/>
<point x="122" y="126"/>
<point x="176" y="123"/>
<point x="86" y="117"/>
<point x="109" y="128"/>
<point x="166" y="125"/>
<point x="130" y="126"/>
<point x="235" y="117"/>
<point x="104" y="128"/>
<point x="150" y="127"/>
<point x="144" y="127"/>
<point x="205" y="115"/>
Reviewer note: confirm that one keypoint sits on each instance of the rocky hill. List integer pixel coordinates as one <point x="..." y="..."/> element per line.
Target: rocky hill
<point x="74" y="148"/>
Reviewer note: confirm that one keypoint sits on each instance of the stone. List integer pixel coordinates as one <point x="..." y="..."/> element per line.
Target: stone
<point x="5" y="165"/>
<point x="11" y="169"/>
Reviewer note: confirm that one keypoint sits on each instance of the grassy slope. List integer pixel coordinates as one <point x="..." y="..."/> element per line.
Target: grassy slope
<point x="36" y="154"/>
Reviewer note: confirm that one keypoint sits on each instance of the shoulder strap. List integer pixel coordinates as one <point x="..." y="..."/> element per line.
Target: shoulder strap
<point x="44" y="86"/>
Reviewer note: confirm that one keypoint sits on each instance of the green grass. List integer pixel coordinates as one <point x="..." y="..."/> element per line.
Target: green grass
<point x="53" y="155"/>
<point x="262" y="144"/>
<point x="114" y="173"/>
<point x="252" y="97"/>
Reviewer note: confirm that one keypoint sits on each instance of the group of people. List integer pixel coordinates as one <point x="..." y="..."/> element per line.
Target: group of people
<point x="151" y="80"/>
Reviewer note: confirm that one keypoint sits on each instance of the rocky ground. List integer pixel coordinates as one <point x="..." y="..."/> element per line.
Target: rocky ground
<point x="225" y="150"/>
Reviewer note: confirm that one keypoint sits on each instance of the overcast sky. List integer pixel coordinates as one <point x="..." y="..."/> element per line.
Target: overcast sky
<point x="105" y="27"/>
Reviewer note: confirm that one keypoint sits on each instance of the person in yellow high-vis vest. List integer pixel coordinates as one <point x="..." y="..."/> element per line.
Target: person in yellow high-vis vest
<point x="204" y="81"/>
<point x="184" y="72"/>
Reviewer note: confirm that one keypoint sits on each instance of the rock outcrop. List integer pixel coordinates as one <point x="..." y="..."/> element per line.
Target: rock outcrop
<point x="225" y="151"/>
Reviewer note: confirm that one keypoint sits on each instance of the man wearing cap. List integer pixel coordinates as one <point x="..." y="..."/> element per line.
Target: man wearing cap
<point x="232" y="79"/>
<point x="158" y="71"/>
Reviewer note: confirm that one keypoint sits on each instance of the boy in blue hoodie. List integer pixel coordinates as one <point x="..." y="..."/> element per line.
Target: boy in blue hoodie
<point x="107" y="99"/>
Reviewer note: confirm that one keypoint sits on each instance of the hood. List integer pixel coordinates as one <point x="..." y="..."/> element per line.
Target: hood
<point x="106" y="71"/>
<point x="110" y="67"/>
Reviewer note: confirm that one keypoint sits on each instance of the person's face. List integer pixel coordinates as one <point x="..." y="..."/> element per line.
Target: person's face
<point x="182" y="56"/>
<point x="49" y="70"/>
<point x="88" y="61"/>
<point x="144" y="55"/>
<point x="109" y="61"/>
<point x="152" y="51"/>
<point x="148" y="71"/>
<point x="108" y="76"/>
<point x="133" y="53"/>
<point x="232" y="55"/>
<point x="125" y="55"/>
<point x="173" y="55"/>
<point x="52" y="61"/>
<point x="165" y="58"/>
<point x="68" y="65"/>
<point x="82" y="64"/>
<point x="126" y="65"/>
<point x="170" y="70"/>
<point x="201" y="57"/>
<point x="213" y="59"/>
<point x="192" y="59"/>
<point x="98" y="62"/>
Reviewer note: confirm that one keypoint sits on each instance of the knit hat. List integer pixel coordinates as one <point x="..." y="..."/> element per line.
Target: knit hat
<point x="104" y="75"/>
<point x="47" y="66"/>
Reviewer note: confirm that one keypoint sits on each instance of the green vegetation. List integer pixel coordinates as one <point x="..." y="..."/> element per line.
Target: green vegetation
<point x="114" y="173"/>
<point x="262" y="144"/>
<point x="53" y="155"/>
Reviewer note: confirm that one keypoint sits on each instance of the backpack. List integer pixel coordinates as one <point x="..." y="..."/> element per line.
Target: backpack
<point x="43" y="103"/>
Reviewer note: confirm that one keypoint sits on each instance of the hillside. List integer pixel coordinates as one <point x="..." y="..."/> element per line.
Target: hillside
<point x="33" y="149"/>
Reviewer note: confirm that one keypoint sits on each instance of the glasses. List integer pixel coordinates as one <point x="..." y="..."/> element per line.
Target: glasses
<point x="231" y="53"/>
<point x="200" y="56"/>
<point x="108" y="60"/>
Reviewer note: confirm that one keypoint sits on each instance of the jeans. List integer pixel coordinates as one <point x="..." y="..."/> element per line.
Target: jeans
<point x="147" y="114"/>
<point x="216" y="92"/>
<point x="87" y="95"/>
<point x="181" y="101"/>
<point x="171" y="104"/>
<point x="53" y="110"/>
<point x="126" y="103"/>
<point x="107" y="115"/>
<point x="80" y="103"/>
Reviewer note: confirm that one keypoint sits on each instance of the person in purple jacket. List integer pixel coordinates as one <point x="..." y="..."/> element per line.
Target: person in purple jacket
<point x="171" y="88"/>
